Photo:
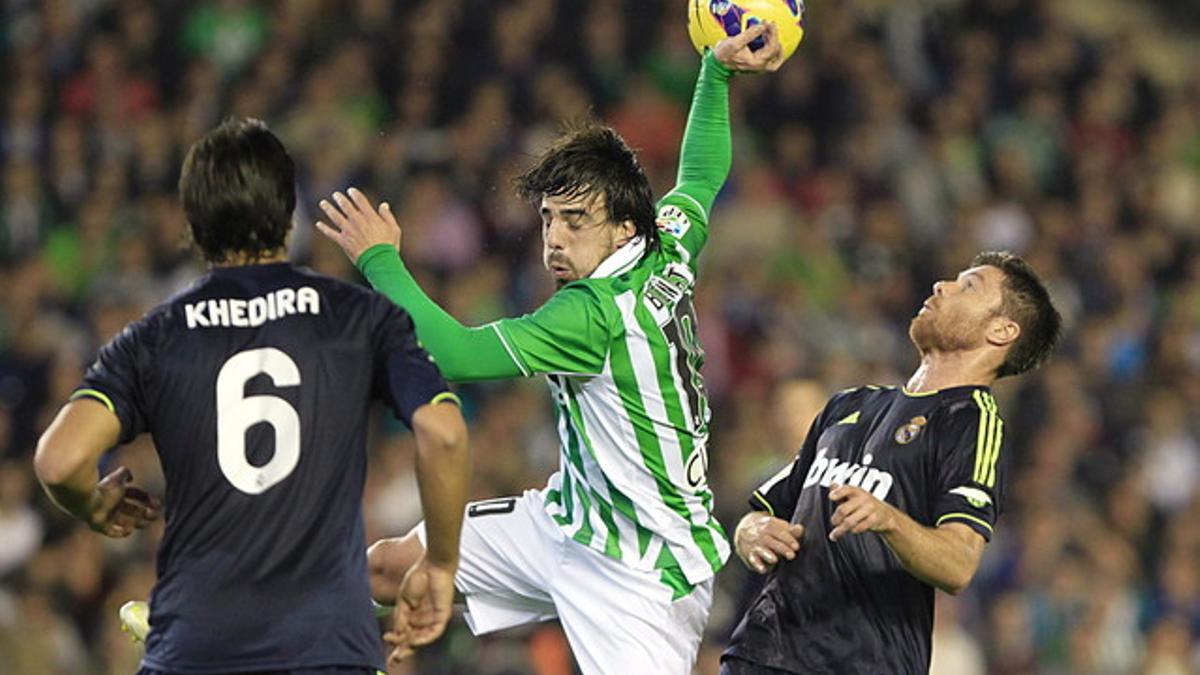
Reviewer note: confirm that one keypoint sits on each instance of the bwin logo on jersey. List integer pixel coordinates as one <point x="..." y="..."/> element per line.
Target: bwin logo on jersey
<point x="828" y="470"/>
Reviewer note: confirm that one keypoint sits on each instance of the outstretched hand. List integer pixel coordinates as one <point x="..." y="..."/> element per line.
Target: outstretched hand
<point x="356" y="224"/>
<point x="735" y="54"/>
<point x="117" y="508"/>
<point x="422" y="610"/>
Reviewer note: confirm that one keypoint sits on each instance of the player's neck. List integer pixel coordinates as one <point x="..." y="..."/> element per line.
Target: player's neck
<point x="943" y="370"/>
<point x="240" y="259"/>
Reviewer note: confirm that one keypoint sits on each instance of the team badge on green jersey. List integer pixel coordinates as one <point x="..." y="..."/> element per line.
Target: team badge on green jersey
<point x="672" y="219"/>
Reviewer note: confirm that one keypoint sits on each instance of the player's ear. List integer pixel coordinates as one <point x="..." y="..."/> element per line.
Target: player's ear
<point x="1002" y="331"/>
<point x="625" y="231"/>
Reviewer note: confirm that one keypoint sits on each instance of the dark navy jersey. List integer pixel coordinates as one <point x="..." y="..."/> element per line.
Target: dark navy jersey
<point x="255" y="385"/>
<point x="849" y="606"/>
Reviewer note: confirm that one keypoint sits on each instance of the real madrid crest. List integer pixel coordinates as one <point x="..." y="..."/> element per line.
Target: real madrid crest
<point x="906" y="434"/>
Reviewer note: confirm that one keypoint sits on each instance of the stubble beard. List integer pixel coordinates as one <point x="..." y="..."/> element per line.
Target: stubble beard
<point x="928" y="335"/>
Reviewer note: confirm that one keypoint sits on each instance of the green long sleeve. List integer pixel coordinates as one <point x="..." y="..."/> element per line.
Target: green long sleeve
<point x="463" y="354"/>
<point x="707" y="152"/>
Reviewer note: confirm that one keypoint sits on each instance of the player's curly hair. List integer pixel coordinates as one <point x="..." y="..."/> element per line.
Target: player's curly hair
<point x="1025" y="300"/>
<point x="238" y="189"/>
<point x="592" y="158"/>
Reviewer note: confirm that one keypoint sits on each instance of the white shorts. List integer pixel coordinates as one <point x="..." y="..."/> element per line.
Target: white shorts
<point x="516" y="567"/>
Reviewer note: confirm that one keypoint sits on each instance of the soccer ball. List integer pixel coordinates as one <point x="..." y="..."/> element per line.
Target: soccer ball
<point x="710" y="21"/>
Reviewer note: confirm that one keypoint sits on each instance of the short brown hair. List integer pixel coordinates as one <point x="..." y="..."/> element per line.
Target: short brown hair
<point x="1024" y="299"/>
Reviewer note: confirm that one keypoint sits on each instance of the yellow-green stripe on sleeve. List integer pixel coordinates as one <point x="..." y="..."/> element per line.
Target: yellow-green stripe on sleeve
<point x="97" y="395"/>
<point x="763" y="500"/>
<point x="446" y="396"/>
<point x="964" y="516"/>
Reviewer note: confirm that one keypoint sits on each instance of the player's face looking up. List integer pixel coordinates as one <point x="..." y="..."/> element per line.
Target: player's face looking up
<point x="578" y="234"/>
<point x="964" y="314"/>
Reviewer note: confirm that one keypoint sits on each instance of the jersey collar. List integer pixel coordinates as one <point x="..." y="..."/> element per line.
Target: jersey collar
<point x="621" y="260"/>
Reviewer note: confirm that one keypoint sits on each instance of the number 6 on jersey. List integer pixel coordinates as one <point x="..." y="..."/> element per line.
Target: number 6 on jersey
<point x="236" y="413"/>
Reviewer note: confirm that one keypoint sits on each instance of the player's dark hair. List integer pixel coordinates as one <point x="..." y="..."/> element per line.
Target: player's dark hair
<point x="1024" y="299"/>
<point x="592" y="158"/>
<point x="238" y="189"/>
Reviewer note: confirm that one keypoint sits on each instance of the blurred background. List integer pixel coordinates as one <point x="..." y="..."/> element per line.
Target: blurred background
<point x="904" y="136"/>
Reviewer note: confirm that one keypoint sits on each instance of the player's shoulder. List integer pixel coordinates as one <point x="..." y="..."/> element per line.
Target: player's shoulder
<point x="965" y="405"/>
<point x="677" y="212"/>
<point x="252" y="295"/>
<point x="672" y="220"/>
<point x="862" y="394"/>
<point x="854" y="401"/>
<point x="970" y="398"/>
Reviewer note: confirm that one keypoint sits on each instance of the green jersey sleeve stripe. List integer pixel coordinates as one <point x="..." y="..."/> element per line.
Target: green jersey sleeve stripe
<point x="512" y="354"/>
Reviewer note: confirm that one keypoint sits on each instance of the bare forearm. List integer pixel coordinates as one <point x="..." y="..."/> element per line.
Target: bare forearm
<point x="74" y="497"/>
<point x="941" y="557"/>
<point x="65" y="462"/>
<point x="443" y="497"/>
<point x="443" y="471"/>
<point x="463" y="354"/>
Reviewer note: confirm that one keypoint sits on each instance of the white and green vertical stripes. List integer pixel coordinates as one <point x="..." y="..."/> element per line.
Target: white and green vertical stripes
<point x="628" y="438"/>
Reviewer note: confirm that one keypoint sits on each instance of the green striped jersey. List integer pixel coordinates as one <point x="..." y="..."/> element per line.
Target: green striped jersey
<point x="621" y="353"/>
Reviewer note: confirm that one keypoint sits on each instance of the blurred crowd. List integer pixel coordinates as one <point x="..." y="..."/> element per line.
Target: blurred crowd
<point x="903" y="137"/>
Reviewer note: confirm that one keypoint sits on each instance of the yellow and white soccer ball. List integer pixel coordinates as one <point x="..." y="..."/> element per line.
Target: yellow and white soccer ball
<point x="710" y="21"/>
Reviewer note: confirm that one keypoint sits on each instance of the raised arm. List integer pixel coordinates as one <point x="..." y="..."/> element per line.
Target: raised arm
<point x="371" y="239"/>
<point x="566" y="335"/>
<point x="707" y="152"/>
<point x="463" y="354"/>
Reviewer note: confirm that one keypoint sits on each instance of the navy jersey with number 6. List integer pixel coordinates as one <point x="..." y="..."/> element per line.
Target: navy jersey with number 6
<point x="255" y="385"/>
<point x="849" y="606"/>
